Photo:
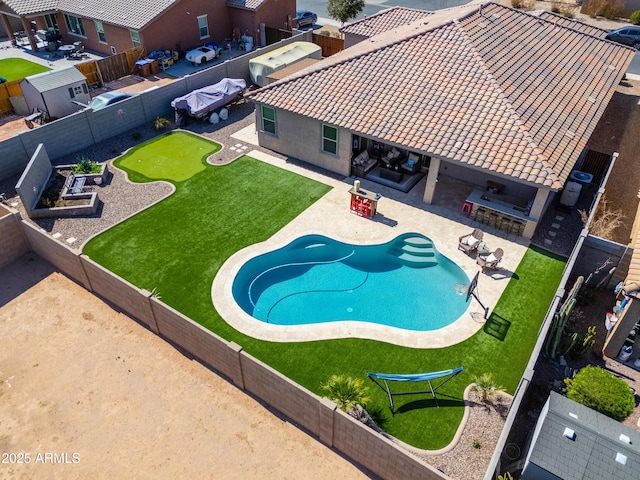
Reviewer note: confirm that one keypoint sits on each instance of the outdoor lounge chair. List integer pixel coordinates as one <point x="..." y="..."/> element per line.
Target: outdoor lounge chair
<point x="470" y="242"/>
<point x="489" y="261"/>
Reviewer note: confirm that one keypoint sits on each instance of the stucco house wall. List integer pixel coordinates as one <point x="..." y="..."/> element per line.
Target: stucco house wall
<point x="301" y="137"/>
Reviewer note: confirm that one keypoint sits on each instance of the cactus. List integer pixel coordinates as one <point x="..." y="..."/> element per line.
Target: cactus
<point x="560" y="321"/>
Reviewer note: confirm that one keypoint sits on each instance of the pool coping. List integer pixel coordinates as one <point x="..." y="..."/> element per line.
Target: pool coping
<point x="330" y="216"/>
<point x="461" y="329"/>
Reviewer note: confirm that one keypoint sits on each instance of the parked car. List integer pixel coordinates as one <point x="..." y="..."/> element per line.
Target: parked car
<point x="627" y="36"/>
<point x="305" y="18"/>
<point x="108" y="98"/>
<point x="201" y="55"/>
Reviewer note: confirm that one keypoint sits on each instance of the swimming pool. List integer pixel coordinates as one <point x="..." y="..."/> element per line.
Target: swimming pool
<point x="405" y="283"/>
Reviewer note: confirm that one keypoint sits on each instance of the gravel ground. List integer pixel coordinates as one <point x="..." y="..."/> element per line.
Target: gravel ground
<point x="120" y="198"/>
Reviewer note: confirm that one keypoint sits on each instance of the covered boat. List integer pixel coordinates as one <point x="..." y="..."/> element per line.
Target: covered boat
<point x="202" y="101"/>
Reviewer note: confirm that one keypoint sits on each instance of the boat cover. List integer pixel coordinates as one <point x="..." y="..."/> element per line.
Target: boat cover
<point x="204" y="100"/>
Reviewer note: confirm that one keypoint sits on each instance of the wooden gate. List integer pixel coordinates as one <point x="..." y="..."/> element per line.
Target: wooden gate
<point x="329" y="45"/>
<point x="274" y="35"/>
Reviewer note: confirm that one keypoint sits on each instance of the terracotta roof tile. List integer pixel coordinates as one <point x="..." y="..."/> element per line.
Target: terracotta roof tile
<point x="491" y="79"/>
<point x="384" y="20"/>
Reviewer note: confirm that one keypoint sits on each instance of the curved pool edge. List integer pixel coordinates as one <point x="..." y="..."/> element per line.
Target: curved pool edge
<point x="224" y="302"/>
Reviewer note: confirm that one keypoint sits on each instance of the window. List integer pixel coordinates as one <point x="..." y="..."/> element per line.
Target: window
<point x="135" y="38"/>
<point x="268" y="119"/>
<point x="74" y="24"/>
<point x="100" y="30"/>
<point x="203" y="25"/>
<point x="52" y="23"/>
<point x="329" y="139"/>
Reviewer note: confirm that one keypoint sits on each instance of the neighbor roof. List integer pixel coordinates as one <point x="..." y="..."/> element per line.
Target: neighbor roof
<point x="246" y="4"/>
<point x="27" y="7"/>
<point x="483" y="85"/>
<point x="591" y="454"/>
<point x="384" y="20"/>
<point x="574" y="24"/>
<point x="124" y="13"/>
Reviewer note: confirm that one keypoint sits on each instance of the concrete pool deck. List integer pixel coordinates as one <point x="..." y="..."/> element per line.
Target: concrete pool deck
<point x="397" y="213"/>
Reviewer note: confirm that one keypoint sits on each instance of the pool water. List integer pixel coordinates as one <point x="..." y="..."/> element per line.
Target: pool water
<point x="405" y="283"/>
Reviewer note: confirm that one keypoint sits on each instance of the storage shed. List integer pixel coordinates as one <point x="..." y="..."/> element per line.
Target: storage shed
<point x="264" y="65"/>
<point x="52" y="92"/>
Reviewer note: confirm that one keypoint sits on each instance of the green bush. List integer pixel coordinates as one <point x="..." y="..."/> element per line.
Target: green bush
<point x="85" y="165"/>
<point x="635" y="18"/>
<point x="596" y="388"/>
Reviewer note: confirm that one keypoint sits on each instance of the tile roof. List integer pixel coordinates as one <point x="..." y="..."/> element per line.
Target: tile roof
<point x="384" y="20"/>
<point x="482" y="85"/>
<point x="124" y="13"/>
<point x="591" y="455"/>
<point x="246" y="4"/>
<point x="574" y="24"/>
<point x="27" y="7"/>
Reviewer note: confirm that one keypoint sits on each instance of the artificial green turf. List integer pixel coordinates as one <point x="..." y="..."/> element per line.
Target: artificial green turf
<point x="178" y="246"/>
<point x="18" y="68"/>
<point x="168" y="158"/>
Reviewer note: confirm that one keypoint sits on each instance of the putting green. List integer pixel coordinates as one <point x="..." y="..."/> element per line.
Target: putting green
<point x="18" y="68"/>
<point x="176" y="157"/>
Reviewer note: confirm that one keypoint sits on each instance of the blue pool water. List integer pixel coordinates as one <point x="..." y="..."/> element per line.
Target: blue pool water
<point x="405" y="283"/>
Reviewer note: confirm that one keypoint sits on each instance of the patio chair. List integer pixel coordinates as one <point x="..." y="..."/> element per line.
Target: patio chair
<point x="490" y="261"/>
<point x="470" y="242"/>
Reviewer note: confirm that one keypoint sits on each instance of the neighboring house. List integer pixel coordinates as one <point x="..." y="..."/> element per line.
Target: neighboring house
<point x="380" y="22"/>
<point x="483" y="93"/>
<point x="574" y="442"/>
<point x="118" y="25"/>
<point x="624" y="321"/>
<point x="54" y="91"/>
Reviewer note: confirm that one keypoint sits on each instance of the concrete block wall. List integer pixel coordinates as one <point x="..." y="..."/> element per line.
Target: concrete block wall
<point x="13" y="156"/>
<point x="288" y="397"/>
<point x="64" y="258"/>
<point x="377" y="453"/>
<point x="12" y="238"/>
<point x="34" y="178"/>
<point x="118" y="291"/>
<point x="209" y="348"/>
<point x="61" y="138"/>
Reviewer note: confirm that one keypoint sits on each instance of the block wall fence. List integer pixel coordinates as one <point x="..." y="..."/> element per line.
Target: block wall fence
<point x="317" y="416"/>
<point x="73" y="133"/>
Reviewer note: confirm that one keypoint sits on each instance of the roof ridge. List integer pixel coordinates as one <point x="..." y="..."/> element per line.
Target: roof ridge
<point x="517" y="120"/>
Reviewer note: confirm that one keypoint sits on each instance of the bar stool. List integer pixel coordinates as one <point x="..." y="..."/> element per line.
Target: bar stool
<point x="466" y="208"/>
<point x="493" y="219"/>
<point x="505" y="223"/>
<point x="480" y="214"/>
<point x="517" y="226"/>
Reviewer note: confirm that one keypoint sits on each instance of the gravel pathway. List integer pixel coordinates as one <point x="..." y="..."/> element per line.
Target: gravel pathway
<point x="119" y="197"/>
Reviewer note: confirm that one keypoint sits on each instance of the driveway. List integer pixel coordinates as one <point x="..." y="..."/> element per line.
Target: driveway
<point x="112" y="400"/>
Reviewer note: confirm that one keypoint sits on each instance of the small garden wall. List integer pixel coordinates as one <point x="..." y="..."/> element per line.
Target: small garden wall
<point x="49" y="192"/>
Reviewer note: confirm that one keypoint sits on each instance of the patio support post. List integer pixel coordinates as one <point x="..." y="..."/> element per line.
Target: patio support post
<point x="26" y="25"/>
<point x="432" y="179"/>
<point x="536" y="211"/>
<point x="7" y="25"/>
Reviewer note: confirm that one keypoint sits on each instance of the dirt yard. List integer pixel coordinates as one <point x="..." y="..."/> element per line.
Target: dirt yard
<point x="85" y="392"/>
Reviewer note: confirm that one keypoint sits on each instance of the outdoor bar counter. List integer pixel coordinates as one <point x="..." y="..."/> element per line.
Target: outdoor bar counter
<point x="500" y="211"/>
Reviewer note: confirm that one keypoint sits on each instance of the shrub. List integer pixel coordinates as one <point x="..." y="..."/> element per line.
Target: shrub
<point x="635" y="18"/>
<point x="161" y="123"/>
<point x="84" y="165"/>
<point x="136" y="136"/>
<point x="346" y="391"/>
<point x="609" y="9"/>
<point x="596" y="388"/>
<point x="485" y="386"/>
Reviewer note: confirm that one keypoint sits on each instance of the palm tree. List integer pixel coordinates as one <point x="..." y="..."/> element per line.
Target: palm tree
<point x="485" y="386"/>
<point x="346" y="391"/>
